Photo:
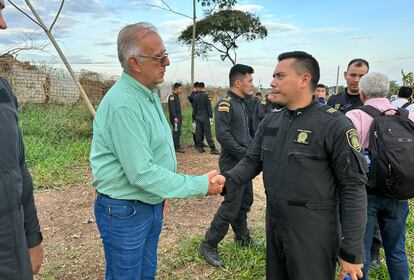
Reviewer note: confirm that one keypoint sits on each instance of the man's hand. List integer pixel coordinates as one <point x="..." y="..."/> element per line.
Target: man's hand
<point x="176" y="120"/>
<point x="165" y="208"/>
<point x="354" y="270"/>
<point x="215" y="183"/>
<point x="36" y="258"/>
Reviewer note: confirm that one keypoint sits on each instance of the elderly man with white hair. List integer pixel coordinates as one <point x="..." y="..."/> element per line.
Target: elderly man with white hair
<point x="391" y="213"/>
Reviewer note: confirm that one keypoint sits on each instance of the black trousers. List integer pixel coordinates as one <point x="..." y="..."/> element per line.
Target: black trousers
<point x="298" y="256"/>
<point x="176" y="133"/>
<point x="203" y="128"/>
<point x="232" y="211"/>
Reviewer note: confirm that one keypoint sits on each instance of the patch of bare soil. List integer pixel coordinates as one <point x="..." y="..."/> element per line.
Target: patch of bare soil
<point x="72" y="244"/>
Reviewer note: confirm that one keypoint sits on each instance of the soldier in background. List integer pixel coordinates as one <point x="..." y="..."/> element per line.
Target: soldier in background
<point x="176" y="119"/>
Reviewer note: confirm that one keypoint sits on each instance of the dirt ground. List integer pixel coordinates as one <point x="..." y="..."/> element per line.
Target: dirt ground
<point x="71" y="240"/>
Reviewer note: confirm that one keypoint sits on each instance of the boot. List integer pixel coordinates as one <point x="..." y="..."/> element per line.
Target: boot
<point x="210" y="253"/>
<point x="214" y="151"/>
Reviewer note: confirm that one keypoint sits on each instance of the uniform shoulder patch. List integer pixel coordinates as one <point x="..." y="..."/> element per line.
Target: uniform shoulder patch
<point x="263" y="101"/>
<point x="223" y="106"/>
<point x="331" y="110"/>
<point x="227" y="98"/>
<point x="171" y="97"/>
<point x="352" y="137"/>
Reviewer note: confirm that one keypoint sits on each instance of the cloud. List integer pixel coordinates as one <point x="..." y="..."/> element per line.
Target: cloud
<point x="362" y="38"/>
<point x="280" y="27"/>
<point x="252" y="8"/>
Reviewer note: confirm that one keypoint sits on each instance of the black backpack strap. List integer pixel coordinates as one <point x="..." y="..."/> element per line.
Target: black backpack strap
<point x="406" y="105"/>
<point x="403" y="112"/>
<point x="370" y="110"/>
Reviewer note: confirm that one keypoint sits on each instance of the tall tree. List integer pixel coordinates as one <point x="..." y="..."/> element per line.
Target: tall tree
<point x="407" y="78"/>
<point x="220" y="30"/>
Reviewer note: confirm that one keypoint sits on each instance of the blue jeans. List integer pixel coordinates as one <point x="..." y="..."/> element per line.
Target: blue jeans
<point x="392" y="217"/>
<point x="130" y="232"/>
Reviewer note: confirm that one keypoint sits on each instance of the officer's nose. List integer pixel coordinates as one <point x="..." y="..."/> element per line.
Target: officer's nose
<point x="3" y="24"/>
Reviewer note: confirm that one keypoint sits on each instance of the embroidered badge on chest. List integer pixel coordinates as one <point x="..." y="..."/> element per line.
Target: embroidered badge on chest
<point x="303" y="136"/>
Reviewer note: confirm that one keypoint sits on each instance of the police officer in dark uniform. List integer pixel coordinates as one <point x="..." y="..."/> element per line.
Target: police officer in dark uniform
<point x="311" y="159"/>
<point x="349" y="99"/>
<point x="203" y="115"/>
<point x="232" y="131"/>
<point x="176" y="119"/>
<point x="263" y="107"/>
<point x="344" y="102"/>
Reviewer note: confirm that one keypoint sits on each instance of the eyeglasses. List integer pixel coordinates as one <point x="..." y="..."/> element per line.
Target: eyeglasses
<point x="161" y="59"/>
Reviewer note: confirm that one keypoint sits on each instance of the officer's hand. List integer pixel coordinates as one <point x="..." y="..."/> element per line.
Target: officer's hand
<point x="176" y="120"/>
<point x="215" y="183"/>
<point x="211" y="121"/>
<point x="354" y="270"/>
<point x="36" y="258"/>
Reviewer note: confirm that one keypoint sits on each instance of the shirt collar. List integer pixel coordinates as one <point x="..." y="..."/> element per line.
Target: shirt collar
<point x="137" y="85"/>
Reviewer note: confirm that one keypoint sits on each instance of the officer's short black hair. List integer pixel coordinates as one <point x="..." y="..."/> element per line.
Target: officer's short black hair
<point x="405" y="92"/>
<point x="177" y="85"/>
<point x="238" y="71"/>
<point x="359" y="62"/>
<point x="304" y="63"/>
<point x="196" y="84"/>
<point x="201" y="85"/>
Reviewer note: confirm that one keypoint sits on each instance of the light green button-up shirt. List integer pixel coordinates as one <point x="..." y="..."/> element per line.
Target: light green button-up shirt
<point x="132" y="153"/>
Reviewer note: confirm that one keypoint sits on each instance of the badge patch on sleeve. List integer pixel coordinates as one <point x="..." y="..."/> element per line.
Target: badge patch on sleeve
<point x="353" y="139"/>
<point x="223" y="106"/>
<point x="303" y="136"/>
<point x="337" y="106"/>
<point x="172" y="97"/>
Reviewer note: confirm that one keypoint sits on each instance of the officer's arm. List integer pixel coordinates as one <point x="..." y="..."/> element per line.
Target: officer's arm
<point x="251" y="164"/>
<point x="195" y="105"/>
<point x="171" y="106"/>
<point x="222" y="115"/>
<point x="209" y="109"/>
<point x="350" y="170"/>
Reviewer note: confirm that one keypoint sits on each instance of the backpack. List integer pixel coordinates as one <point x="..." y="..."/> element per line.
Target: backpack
<point x="406" y="105"/>
<point x="391" y="152"/>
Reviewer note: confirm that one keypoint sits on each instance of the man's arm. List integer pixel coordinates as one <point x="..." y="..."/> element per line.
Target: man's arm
<point x="131" y="137"/>
<point x="223" y="115"/>
<point x="350" y="169"/>
<point x="209" y="109"/>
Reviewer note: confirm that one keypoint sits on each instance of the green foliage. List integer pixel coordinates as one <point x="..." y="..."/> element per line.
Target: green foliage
<point x="57" y="142"/>
<point x="407" y="78"/>
<point x="221" y="30"/>
<point x="394" y="87"/>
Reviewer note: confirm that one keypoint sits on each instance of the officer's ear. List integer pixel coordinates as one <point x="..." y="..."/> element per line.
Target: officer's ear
<point x="306" y="80"/>
<point x="362" y="96"/>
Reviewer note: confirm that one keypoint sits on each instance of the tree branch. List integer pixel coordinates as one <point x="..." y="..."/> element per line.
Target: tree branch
<point x="23" y="12"/>
<point x="168" y="9"/>
<point x="57" y="15"/>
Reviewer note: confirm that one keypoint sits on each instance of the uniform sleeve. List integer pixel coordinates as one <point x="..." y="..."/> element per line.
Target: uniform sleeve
<point x="130" y="137"/>
<point x="251" y="164"/>
<point x="171" y="106"/>
<point x="350" y="169"/>
<point x="195" y="105"/>
<point x="31" y="221"/>
<point x="209" y="109"/>
<point x="222" y="116"/>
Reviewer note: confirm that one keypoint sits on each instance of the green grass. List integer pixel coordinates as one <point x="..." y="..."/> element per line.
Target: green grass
<point x="240" y="263"/>
<point x="57" y="142"/>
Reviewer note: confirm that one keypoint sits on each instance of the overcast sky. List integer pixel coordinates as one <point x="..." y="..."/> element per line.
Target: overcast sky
<point x="333" y="31"/>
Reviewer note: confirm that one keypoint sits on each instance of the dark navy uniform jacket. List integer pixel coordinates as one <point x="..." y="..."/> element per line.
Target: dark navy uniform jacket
<point x="19" y="225"/>
<point x="344" y="102"/>
<point x="202" y="106"/>
<point x="311" y="160"/>
<point x="232" y="129"/>
<point x="174" y="107"/>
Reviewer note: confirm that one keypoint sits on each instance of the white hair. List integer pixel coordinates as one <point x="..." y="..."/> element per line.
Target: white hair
<point x="128" y="39"/>
<point x="374" y="85"/>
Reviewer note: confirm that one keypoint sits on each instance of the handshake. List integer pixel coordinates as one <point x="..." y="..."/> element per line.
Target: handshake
<point x="215" y="183"/>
